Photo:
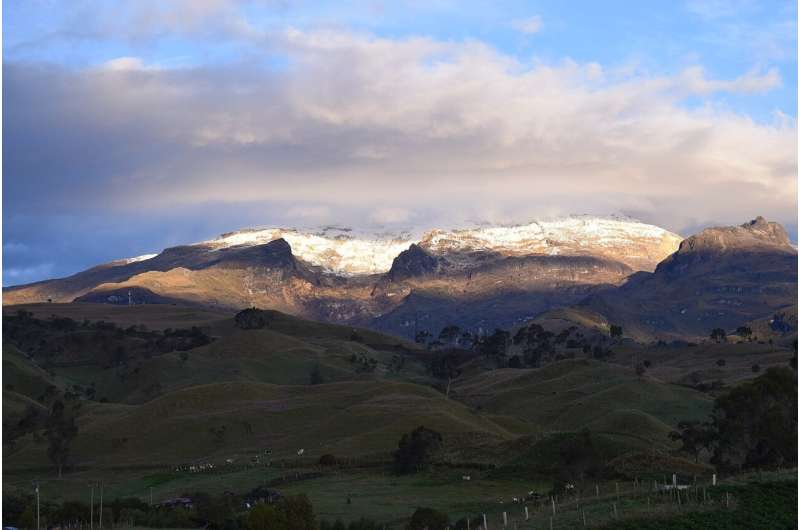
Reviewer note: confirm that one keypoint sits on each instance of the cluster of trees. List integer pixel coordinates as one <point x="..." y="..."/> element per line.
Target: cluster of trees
<point x="753" y="425"/>
<point x="56" y="425"/>
<point x="252" y="318"/>
<point x="534" y="344"/>
<point x="59" y="339"/>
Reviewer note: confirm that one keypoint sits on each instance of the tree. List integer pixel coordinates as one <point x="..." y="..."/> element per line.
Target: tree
<point x="449" y="333"/>
<point x="718" y="334"/>
<point x="694" y="437"/>
<point x="496" y="344"/>
<point x="422" y="337"/>
<point x="446" y="367"/>
<point x="299" y="513"/>
<point x="327" y="460"/>
<point x="744" y="332"/>
<point x="756" y="368"/>
<point x="415" y="450"/>
<point x="427" y="519"/>
<point x="721" y="362"/>
<point x="615" y="331"/>
<point x="60" y="431"/>
<point x="515" y="362"/>
<point x="266" y="517"/>
<point x="640" y="369"/>
<point x="756" y="422"/>
<point x="251" y="318"/>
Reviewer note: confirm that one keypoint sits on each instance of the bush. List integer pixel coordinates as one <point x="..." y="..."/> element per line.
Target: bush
<point x="427" y="519"/>
<point x="327" y="460"/>
<point x="266" y="517"/>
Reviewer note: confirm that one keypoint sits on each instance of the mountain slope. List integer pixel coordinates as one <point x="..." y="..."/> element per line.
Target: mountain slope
<point x="483" y="278"/>
<point x="722" y="277"/>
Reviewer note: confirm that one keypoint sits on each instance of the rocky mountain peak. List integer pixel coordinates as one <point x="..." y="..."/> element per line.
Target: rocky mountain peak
<point x="757" y="234"/>
<point x="414" y="261"/>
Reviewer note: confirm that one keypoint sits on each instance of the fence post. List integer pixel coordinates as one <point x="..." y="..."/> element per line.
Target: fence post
<point x="527" y="516"/>
<point x="714" y="479"/>
<point x="553" y="501"/>
<point x="583" y="513"/>
<point x="596" y="490"/>
<point x="485" y="527"/>
<point x="505" y="520"/>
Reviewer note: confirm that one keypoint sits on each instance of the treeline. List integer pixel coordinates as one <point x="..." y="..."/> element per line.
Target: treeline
<point x="530" y="346"/>
<point x="62" y="340"/>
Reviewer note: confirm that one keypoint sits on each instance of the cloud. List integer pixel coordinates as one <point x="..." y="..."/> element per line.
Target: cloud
<point x="751" y="82"/>
<point x="380" y="130"/>
<point x="528" y="25"/>
<point x="390" y="215"/>
<point x="717" y="9"/>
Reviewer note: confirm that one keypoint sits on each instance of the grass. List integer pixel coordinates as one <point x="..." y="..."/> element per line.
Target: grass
<point x="573" y="394"/>
<point x="349" y="419"/>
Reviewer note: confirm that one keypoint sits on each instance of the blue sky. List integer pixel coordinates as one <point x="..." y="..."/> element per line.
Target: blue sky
<point x="146" y="124"/>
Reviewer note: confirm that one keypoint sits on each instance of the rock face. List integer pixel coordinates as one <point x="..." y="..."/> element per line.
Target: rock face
<point x="722" y="277"/>
<point x="477" y="278"/>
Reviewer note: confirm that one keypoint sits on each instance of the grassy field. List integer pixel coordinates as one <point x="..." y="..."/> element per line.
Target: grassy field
<point x="249" y="392"/>
<point x="575" y="394"/>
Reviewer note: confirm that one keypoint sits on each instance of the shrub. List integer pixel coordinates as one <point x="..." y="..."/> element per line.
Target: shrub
<point x="427" y="519"/>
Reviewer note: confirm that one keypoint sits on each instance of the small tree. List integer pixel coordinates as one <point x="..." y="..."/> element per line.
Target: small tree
<point x="721" y="362"/>
<point x="428" y="519"/>
<point x="266" y="517"/>
<point x="745" y="332"/>
<point x="718" y="334"/>
<point x="449" y="334"/>
<point x="615" y="331"/>
<point x="299" y="513"/>
<point x="415" y="450"/>
<point x="694" y="437"/>
<point x="60" y="431"/>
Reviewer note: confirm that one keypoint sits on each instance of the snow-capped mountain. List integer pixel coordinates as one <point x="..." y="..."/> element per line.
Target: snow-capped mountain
<point x="478" y="278"/>
<point x="341" y="251"/>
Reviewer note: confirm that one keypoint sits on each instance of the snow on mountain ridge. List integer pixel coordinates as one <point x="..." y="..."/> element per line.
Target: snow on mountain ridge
<point x="344" y="251"/>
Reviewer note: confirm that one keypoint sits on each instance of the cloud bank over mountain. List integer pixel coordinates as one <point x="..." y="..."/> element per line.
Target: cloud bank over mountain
<point x="334" y="124"/>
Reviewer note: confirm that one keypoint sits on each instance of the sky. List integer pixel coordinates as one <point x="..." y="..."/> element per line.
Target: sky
<point x="129" y="127"/>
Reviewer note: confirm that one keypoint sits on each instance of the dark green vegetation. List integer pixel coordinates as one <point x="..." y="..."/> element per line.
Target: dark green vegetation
<point x="214" y="406"/>
<point x="753" y="425"/>
<point x="770" y="505"/>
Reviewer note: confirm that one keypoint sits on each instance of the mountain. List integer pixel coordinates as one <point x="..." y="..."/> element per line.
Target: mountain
<point x="722" y="277"/>
<point x="478" y="278"/>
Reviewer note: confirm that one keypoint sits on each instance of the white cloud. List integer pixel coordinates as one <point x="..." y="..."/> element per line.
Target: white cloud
<point x="410" y="125"/>
<point x="528" y="25"/>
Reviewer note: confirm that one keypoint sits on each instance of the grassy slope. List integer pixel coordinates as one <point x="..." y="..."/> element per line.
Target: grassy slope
<point x="350" y="418"/>
<point x="573" y="394"/>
